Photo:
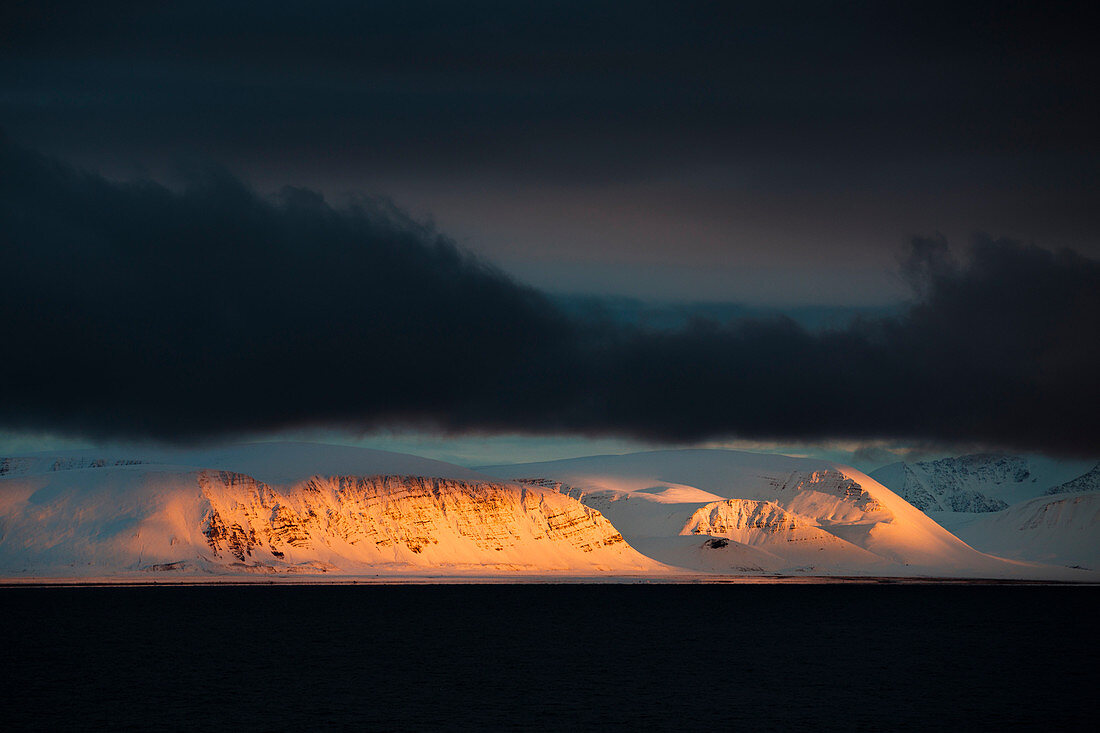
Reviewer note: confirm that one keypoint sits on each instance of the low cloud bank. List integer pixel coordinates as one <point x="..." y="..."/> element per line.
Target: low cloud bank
<point x="133" y="311"/>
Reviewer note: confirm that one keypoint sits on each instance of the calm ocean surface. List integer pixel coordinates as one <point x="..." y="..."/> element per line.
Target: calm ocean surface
<point x="551" y="657"/>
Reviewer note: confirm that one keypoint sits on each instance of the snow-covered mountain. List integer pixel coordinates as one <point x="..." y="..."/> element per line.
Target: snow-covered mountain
<point x="1085" y="482"/>
<point x="290" y="508"/>
<point x="996" y="503"/>
<point x="979" y="483"/>
<point x="728" y="511"/>
<point x="1060" y="529"/>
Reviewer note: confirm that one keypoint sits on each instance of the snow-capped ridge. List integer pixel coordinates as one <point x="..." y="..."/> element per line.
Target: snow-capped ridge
<point x="27" y="465"/>
<point x="1085" y="482"/>
<point x="160" y="518"/>
<point x="274" y="462"/>
<point x="977" y="483"/>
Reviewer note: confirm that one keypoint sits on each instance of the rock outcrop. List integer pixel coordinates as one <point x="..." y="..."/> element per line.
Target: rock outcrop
<point x="82" y="516"/>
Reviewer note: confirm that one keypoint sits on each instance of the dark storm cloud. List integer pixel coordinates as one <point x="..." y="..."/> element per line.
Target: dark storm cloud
<point x="562" y="91"/>
<point x="583" y="145"/>
<point x="133" y="311"/>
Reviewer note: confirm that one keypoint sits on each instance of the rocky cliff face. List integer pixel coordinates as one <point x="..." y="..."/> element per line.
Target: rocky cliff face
<point x="390" y="516"/>
<point x="722" y="518"/>
<point x="132" y="518"/>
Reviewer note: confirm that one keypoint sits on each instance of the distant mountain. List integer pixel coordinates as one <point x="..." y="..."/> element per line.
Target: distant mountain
<point x="1000" y="504"/>
<point x="1086" y="482"/>
<point x="289" y="509"/>
<point x="276" y="462"/>
<point x="977" y="483"/>
<point x="733" y="512"/>
<point x="1062" y="529"/>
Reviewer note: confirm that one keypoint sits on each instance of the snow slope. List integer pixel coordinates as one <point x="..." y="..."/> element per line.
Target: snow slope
<point x="729" y="511"/>
<point x="276" y="463"/>
<point x="290" y="508"/>
<point x="1062" y="529"/>
<point x="979" y="483"/>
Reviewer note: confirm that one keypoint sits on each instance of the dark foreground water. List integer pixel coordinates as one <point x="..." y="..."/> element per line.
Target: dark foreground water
<point x="628" y="657"/>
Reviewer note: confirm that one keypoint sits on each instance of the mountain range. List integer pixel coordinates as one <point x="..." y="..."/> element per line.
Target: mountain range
<point x="1024" y="507"/>
<point x="286" y="509"/>
<point x="985" y="482"/>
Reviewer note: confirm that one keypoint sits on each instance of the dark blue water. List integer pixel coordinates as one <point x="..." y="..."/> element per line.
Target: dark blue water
<point x="691" y="657"/>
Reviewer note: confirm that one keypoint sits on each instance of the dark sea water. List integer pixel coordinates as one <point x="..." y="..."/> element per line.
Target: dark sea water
<point x="549" y="657"/>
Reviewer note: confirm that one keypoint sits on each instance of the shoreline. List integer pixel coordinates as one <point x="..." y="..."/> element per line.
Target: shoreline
<point x="429" y="580"/>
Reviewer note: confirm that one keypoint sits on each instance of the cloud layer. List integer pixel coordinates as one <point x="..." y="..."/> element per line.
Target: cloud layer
<point x="575" y="143"/>
<point x="134" y="311"/>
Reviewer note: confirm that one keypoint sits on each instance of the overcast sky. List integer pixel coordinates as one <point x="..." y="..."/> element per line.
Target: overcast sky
<point x="790" y="156"/>
<point x="772" y="152"/>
